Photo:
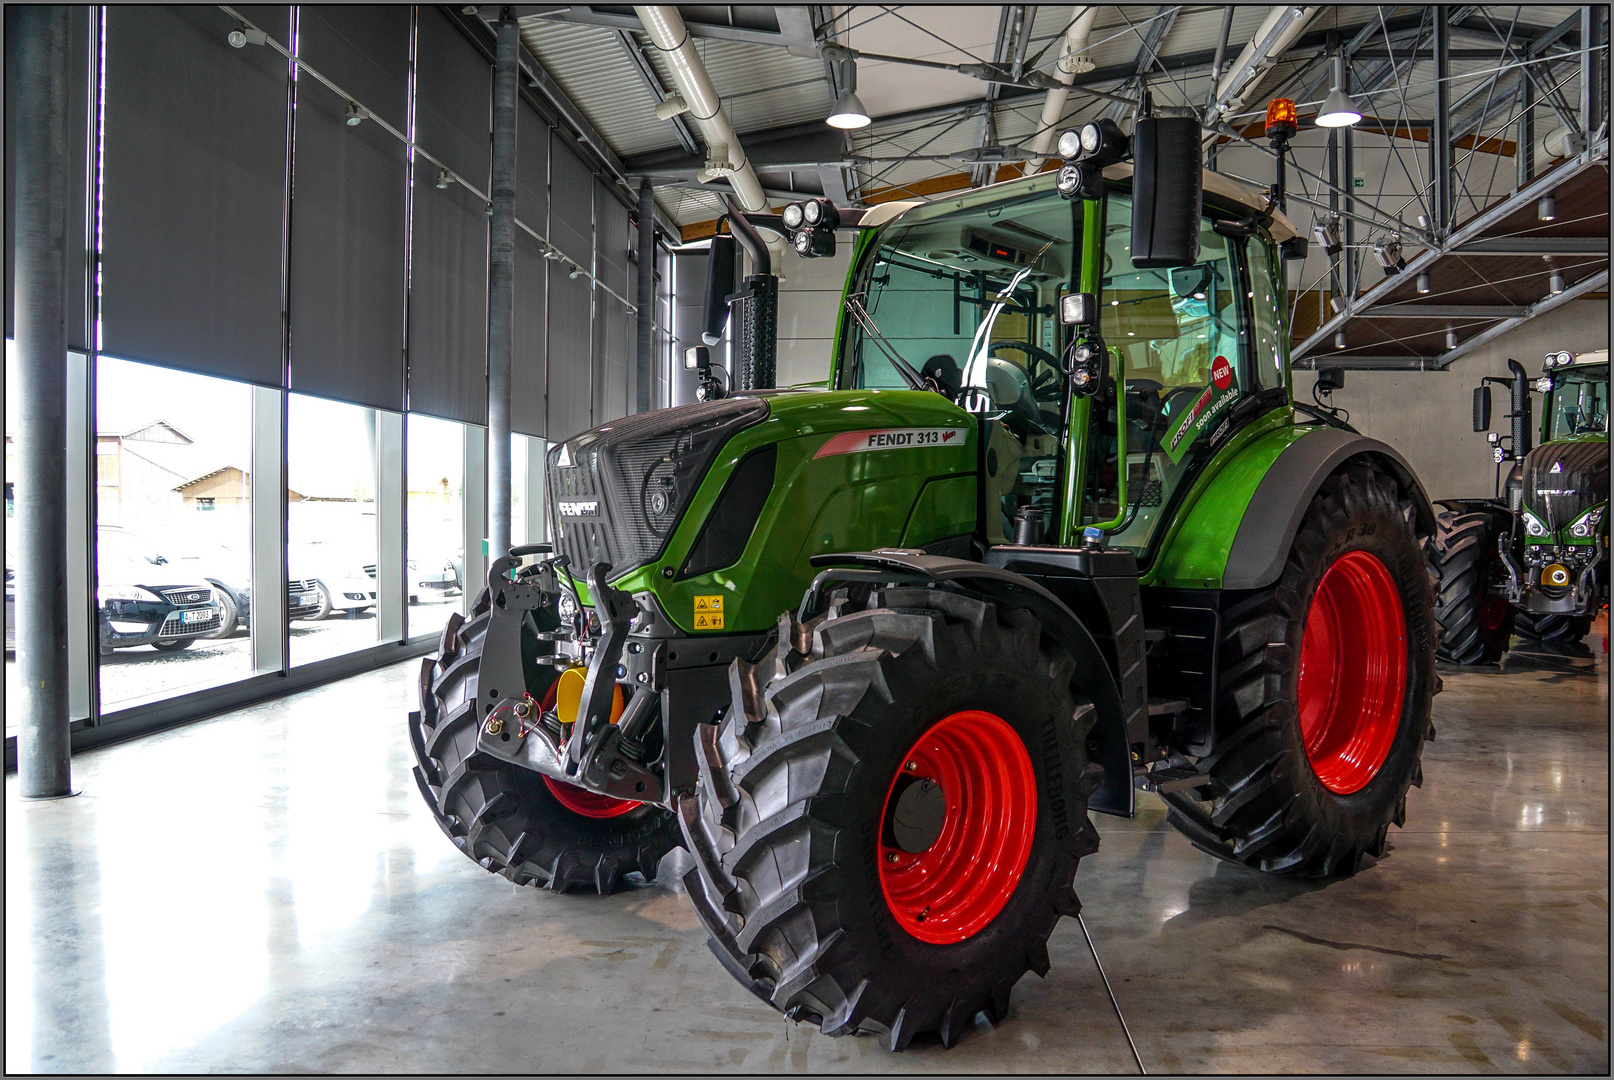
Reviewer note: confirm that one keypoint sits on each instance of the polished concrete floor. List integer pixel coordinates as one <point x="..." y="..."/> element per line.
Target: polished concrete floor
<point x="265" y="891"/>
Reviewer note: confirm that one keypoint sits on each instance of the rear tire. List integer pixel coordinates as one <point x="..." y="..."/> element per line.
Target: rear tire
<point x="1268" y="804"/>
<point x="503" y="817"/>
<point x="173" y="646"/>
<point x="800" y="877"/>
<point x="326" y="604"/>
<point x="1471" y="604"/>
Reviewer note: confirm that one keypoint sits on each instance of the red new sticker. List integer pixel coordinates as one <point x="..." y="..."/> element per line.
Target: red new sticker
<point x="1222" y="373"/>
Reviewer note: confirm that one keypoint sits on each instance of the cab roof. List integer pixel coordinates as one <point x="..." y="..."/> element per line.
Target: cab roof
<point x="1216" y="184"/>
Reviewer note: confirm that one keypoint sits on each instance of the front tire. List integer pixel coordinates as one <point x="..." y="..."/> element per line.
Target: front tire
<point x="834" y="883"/>
<point x="509" y="820"/>
<point x="1563" y="632"/>
<point x="1325" y="686"/>
<point x="1476" y="620"/>
<point x="229" y="617"/>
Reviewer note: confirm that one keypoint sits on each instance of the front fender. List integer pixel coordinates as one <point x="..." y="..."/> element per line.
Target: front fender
<point x="1093" y="674"/>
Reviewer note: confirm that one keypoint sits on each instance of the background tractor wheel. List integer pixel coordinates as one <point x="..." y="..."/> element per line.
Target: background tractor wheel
<point x="1326" y="681"/>
<point x="509" y="820"/>
<point x="1471" y="603"/>
<point x="1560" y="631"/>
<point x="842" y="872"/>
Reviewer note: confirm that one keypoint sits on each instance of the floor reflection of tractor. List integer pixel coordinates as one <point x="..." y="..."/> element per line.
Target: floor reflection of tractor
<point x="1533" y="561"/>
<point x="871" y="654"/>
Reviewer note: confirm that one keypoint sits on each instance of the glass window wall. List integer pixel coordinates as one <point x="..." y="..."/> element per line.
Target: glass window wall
<point x="436" y="522"/>
<point x="173" y="531"/>
<point x="331" y="528"/>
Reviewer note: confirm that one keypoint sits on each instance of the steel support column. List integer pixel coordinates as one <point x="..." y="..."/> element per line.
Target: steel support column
<point x="501" y="281"/>
<point x="1524" y="148"/>
<point x="1440" y="160"/>
<point x="1347" y="149"/>
<point x="644" y="373"/>
<point x="38" y="52"/>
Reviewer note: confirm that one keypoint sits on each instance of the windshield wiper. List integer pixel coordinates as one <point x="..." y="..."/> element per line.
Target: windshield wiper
<point x="854" y="304"/>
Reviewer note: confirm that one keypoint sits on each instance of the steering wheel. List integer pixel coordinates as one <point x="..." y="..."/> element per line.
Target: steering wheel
<point x="1042" y="367"/>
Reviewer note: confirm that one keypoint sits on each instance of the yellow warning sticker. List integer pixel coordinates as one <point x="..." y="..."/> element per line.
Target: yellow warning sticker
<point x="709" y="612"/>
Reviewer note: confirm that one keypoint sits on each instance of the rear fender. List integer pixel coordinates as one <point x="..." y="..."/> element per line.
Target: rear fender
<point x="1093" y="674"/>
<point x="1267" y="529"/>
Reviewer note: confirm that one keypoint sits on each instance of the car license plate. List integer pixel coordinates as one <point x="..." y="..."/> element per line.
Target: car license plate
<point x="199" y="615"/>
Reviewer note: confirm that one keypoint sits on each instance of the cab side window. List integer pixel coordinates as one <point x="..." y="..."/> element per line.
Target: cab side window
<point x="1269" y="304"/>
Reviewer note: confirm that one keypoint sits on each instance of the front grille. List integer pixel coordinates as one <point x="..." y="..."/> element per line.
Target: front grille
<point x="301" y="585"/>
<point x="616" y="492"/>
<point x="1564" y="480"/>
<point x="370" y="570"/>
<point x="188" y="597"/>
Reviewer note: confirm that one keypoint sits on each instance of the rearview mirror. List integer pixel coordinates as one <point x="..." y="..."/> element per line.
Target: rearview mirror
<point x="1166" y="192"/>
<point x="1482" y="408"/>
<point x="719" y="285"/>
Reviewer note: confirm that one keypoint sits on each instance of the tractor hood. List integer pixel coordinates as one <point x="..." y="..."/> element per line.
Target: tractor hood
<point x="1564" y="479"/>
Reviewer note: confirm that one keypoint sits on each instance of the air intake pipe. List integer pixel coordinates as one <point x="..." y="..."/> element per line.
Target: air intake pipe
<point x="1073" y="60"/>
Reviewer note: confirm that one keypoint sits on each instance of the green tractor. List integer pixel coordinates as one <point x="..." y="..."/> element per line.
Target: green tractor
<point x="1054" y="533"/>
<point x="1533" y="561"/>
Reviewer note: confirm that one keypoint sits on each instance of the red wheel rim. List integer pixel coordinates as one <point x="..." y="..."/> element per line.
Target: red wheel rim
<point x="1353" y="672"/>
<point x="580" y="800"/>
<point x="953" y="888"/>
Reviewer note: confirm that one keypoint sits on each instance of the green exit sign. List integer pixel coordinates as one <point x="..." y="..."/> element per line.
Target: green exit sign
<point x="1357" y="181"/>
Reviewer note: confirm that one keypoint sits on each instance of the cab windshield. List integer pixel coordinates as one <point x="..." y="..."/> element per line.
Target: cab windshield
<point x="1579" y="403"/>
<point x="966" y="292"/>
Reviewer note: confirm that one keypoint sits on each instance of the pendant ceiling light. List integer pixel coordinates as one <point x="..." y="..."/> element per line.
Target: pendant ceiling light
<point x="1338" y="109"/>
<point x="848" y="113"/>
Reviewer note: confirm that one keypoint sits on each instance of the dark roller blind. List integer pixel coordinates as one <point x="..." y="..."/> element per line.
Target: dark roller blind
<point x="571" y="206"/>
<point x="348" y="199"/>
<point x="528" y="403"/>
<point x="453" y="98"/>
<point x="571" y="347"/>
<point x="613" y="337"/>
<point x="194" y="189"/>
<point x="448" y="301"/>
<point x="532" y="169"/>
<point x="613" y="236"/>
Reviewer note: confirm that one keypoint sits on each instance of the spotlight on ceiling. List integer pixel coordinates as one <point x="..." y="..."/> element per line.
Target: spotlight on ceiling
<point x="1451" y="339"/>
<point x="355" y="115"/>
<point x="576" y="273"/>
<point x="1556" y="283"/>
<point x="242" y="37"/>
<point x="1326" y="233"/>
<point x="1389" y="257"/>
<point x="1338" y="109"/>
<point x="848" y="113"/>
<point x="1339" y="339"/>
<point x="1423" y="282"/>
<point x="1547" y="208"/>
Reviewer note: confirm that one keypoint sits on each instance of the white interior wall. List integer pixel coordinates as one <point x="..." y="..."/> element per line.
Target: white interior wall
<point x="1427" y="415"/>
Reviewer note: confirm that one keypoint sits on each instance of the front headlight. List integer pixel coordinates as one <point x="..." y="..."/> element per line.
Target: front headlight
<point x="1587" y="523"/>
<point x="125" y="592"/>
<point x="1533" y="525"/>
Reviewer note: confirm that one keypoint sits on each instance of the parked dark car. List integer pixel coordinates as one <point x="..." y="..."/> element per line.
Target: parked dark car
<point x="224" y="568"/>
<point x="145" y="604"/>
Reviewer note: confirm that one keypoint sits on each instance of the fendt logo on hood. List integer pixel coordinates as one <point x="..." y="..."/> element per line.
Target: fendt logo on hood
<point x="579" y="508"/>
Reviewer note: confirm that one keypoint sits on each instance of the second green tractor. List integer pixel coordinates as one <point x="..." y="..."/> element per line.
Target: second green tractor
<point x="873" y="651"/>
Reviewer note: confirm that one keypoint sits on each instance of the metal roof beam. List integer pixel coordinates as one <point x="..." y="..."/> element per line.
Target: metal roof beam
<point x="652" y="81"/>
<point x="1411" y="310"/>
<point x="1538" y="245"/>
<point x="792" y="25"/>
<point x="1592" y="284"/>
